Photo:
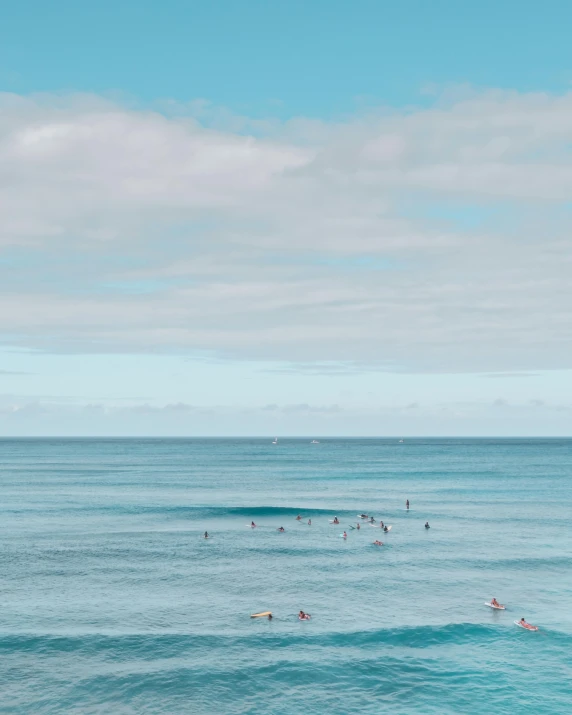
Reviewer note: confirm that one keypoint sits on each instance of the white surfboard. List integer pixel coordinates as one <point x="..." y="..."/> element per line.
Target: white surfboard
<point x="497" y="608"/>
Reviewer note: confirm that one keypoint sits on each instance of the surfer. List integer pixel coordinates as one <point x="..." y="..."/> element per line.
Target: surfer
<point x="280" y="529"/>
<point x="363" y="516"/>
<point x="298" y="518"/>
<point x="269" y="616"/>
<point x="371" y="520"/>
<point x="495" y="603"/>
<point x="206" y="534"/>
<point x="407" y="504"/>
<point x="381" y="524"/>
<point x="427" y="525"/>
<point x="335" y="521"/>
<point x="378" y="543"/>
<point x="252" y="525"/>
<point x="358" y="527"/>
<point x="309" y="522"/>
<point x="529" y="626"/>
<point x="385" y="529"/>
<point x="345" y="535"/>
<point x="304" y="616"/>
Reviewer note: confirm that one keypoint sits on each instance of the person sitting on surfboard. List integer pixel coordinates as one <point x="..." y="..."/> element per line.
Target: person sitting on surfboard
<point x="298" y="518"/>
<point x="524" y="624"/>
<point x="371" y="520"/>
<point x="427" y="525"/>
<point x="335" y="521"/>
<point x="280" y="529"/>
<point x="252" y="524"/>
<point x="495" y="603"/>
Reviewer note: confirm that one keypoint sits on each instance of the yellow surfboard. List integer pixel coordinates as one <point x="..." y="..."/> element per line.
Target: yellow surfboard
<point x="261" y="615"/>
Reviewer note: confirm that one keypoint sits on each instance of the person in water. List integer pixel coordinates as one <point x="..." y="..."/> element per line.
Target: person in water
<point x="372" y="520"/>
<point x="280" y="529"/>
<point x="427" y="525"/>
<point x="385" y="529"/>
<point x="309" y="522"/>
<point x="206" y="534"/>
<point x="252" y="524"/>
<point x="298" y="518"/>
<point x="407" y="504"/>
<point x="269" y="616"/>
<point x="358" y="527"/>
<point x="336" y="520"/>
<point x="378" y="543"/>
<point x="494" y="602"/>
<point x="382" y="525"/>
<point x="304" y="616"/>
<point x="524" y="624"/>
<point x="345" y="535"/>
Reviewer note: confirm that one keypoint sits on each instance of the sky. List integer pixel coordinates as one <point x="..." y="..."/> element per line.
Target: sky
<point x="289" y="218"/>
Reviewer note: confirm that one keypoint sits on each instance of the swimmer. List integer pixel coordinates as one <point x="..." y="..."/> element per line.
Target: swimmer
<point x="381" y="525"/>
<point x="206" y="535"/>
<point x="529" y="626"/>
<point x="427" y="525"/>
<point x="280" y="529"/>
<point x="407" y="504"/>
<point x="345" y="535"/>
<point x="378" y="543"/>
<point x="298" y="518"/>
<point x="358" y="526"/>
<point x="309" y="522"/>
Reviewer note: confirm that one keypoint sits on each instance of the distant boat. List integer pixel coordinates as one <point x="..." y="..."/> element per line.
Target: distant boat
<point x="275" y="440"/>
<point x="314" y="441"/>
<point x="400" y="441"/>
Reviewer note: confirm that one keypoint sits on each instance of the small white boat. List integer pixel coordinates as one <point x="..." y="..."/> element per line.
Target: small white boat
<point x="275" y="440"/>
<point x="400" y="441"/>
<point x="314" y="441"/>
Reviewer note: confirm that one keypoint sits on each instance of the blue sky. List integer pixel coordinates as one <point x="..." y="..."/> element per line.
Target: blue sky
<point x="285" y="218"/>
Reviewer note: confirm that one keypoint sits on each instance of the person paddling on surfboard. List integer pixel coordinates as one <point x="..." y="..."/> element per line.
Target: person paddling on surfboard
<point x="378" y="543"/>
<point x="335" y="521"/>
<point x="280" y="529"/>
<point x="529" y="626"/>
<point x="304" y="616"/>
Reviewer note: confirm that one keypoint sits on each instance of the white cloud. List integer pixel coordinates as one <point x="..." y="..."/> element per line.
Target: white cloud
<point x="357" y="246"/>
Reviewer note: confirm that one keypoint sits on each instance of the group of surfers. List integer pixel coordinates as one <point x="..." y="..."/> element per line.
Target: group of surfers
<point x="522" y="623"/>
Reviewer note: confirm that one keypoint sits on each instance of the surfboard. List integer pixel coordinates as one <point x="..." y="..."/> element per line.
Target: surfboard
<point x="307" y="618"/>
<point x="498" y="608"/>
<point x="343" y="537"/>
<point x="359" y="516"/>
<point x="533" y="628"/>
<point x="333" y="522"/>
<point x="261" y="615"/>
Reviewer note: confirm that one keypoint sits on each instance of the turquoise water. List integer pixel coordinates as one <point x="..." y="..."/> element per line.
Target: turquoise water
<point x="111" y="602"/>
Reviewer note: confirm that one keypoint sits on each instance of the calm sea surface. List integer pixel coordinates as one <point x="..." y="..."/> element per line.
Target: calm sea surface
<point x="111" y="602"/>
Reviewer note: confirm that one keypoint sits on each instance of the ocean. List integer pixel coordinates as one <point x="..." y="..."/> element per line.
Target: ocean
<point x="112" y="602"/>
